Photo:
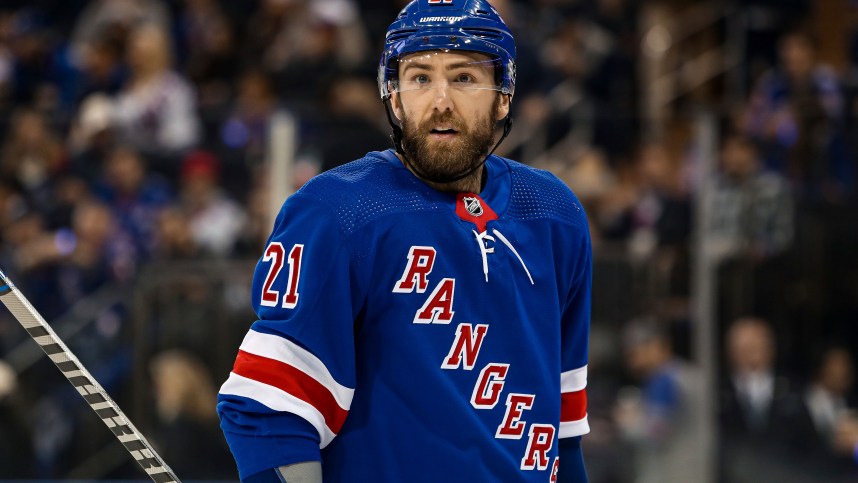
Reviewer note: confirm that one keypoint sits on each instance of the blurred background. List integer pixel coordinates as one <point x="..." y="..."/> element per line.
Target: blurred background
<point x="144" y="145"/>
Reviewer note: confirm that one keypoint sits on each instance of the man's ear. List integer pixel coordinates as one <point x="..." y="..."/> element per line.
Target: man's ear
<point x="396" y="106"/>
<point x="503" y="106"/>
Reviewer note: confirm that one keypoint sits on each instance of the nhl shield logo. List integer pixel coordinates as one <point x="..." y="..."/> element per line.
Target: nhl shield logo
<point x="473" y="205"/>
<point x="471" y="208"/>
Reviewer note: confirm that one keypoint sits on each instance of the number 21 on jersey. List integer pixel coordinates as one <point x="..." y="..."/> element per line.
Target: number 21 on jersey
<point x="275" y="253"/>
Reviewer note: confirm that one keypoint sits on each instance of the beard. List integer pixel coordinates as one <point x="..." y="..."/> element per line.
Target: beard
<point x="441" y="161"/>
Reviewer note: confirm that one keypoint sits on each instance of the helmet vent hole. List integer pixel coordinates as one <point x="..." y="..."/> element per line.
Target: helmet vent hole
<point x="484" y="33"/>
<point x="401" y="35"/>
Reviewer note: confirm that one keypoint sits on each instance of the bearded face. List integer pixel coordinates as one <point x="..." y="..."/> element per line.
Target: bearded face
<point x="444" y="145"/>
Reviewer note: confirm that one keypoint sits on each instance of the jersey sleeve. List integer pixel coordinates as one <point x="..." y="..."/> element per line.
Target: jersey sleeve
<point x="292" y="383"/>
<point x="575" y="333"/>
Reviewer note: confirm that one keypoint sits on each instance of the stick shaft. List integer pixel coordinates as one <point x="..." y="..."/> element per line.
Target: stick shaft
<point x="86" y="385"/>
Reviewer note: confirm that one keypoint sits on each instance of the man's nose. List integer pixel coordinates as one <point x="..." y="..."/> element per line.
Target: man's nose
<point x="442" y="97"/>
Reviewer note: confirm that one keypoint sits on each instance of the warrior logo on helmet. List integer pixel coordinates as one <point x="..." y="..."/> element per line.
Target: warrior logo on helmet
<point x="439" y="19"/>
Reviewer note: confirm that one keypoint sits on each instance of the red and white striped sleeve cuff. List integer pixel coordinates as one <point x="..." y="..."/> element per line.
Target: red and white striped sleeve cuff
<point x="283" y="376"/>
<point x="573" y="403"/>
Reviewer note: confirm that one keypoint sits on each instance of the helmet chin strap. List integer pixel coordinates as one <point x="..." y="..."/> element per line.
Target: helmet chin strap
<point x="397" y="143"/>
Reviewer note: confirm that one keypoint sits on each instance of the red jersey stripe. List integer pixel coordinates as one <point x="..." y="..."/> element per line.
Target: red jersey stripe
<point x="573" y="406"/>
<point x="293" y="381"/>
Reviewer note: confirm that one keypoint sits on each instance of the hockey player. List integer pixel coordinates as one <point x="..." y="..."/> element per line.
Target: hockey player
<point x="423" y="311"/>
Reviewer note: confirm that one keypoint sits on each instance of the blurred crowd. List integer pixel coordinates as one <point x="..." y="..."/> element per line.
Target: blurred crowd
<point x="135" y="132"/>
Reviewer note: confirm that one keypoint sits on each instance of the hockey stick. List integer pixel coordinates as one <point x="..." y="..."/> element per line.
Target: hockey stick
<point x="86" y="385"/>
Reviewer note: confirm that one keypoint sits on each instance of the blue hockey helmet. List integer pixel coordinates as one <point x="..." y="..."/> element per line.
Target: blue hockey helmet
<point x="464" y="25"/>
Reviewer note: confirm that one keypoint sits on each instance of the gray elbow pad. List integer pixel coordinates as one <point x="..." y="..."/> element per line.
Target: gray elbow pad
<point x="304" y="472"/>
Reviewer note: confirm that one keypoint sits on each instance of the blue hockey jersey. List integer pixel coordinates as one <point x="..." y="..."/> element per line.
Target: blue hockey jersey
<point x="410" y="335"/>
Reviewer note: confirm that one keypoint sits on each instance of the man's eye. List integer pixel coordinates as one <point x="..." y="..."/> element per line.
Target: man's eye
<point x="421" y="79"/>
<point x="464" y="78"/>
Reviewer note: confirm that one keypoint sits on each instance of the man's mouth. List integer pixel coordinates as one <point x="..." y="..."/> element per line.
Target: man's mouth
<point x="442" y="132"/>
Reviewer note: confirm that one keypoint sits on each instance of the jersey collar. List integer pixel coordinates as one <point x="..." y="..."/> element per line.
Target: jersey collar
<point x="495" y="193"/>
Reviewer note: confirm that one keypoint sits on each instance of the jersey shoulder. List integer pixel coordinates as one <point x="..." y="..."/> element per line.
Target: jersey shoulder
<point x="539" y="194"/>
<point x="364" y="190"/>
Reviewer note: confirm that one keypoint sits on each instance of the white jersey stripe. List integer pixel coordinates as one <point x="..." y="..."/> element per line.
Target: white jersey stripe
<point x="569" y="429"/>
<point x="284" y="350"/>
<point x="574" y="380"/>
<point x="277" y="400"/>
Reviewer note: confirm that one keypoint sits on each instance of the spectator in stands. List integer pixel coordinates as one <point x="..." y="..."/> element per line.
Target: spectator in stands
<point x="266" y="24"/>
<point x="751" y="404"/>
<point x="115" y="19"/>
<point x="99" y="252"/>
<point x="69" y="192"/>
<point x="33" y="73"/>
<point x="353" y="117"/>
<point x="752" y="209"/>
<point x="592" y="180"/>
<point x="28" y="244"/>
<point x="753" y="387"/>
<point x="92" y="137"/>
<point x="99" y="68"/>
<point x="648" y="207"/>
<point x="796" y="113"/>
<point x="12" y="203"/>
<point x="156" y="111"/>
<point x="663" y="419"/>
<point x="305" y="42"/>
<point x="134" y="194"/>
<point x="822" y="418"/>
<point x="243" y="132"/>
<point x="190" y="438"/>
<point x="15" y="443"/>
<point x="173" y="237"/>
<point x="216" y="221"/>
<point x="31" y="251"/>
<point x="31" y="155"/>
<point x="209" y="51"/>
